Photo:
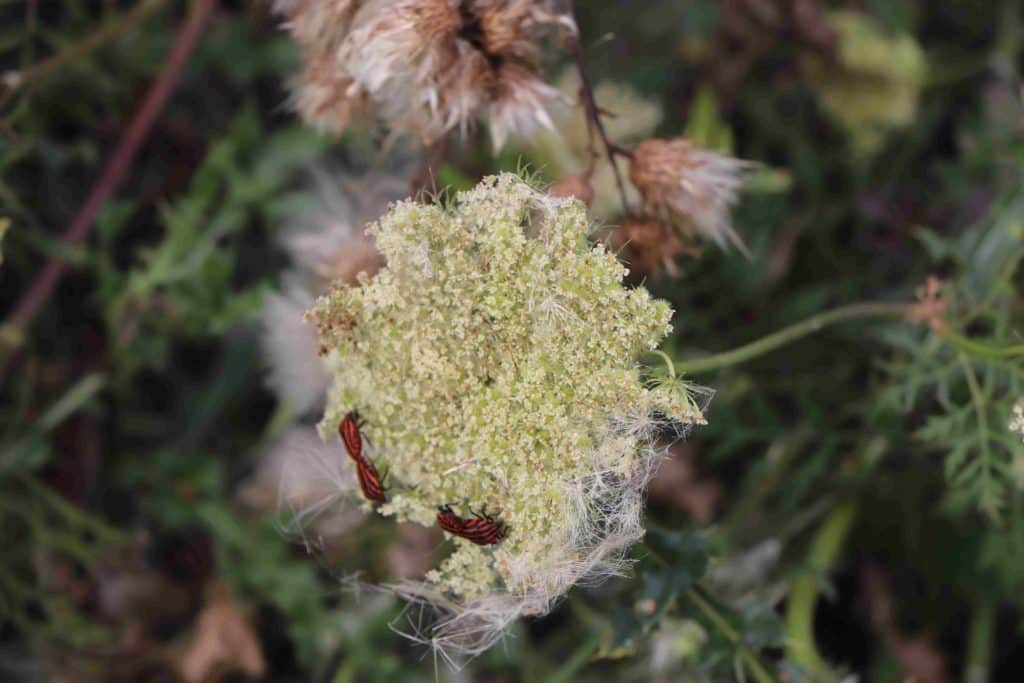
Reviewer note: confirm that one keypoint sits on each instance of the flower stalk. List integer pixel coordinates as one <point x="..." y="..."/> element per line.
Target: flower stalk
<point x="792" y="333"/>
<point x="803" y="595"/>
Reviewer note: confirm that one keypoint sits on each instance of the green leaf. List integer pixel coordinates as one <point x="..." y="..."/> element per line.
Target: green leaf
<point x="705" y="126"/>
<point x="682" y="559"/>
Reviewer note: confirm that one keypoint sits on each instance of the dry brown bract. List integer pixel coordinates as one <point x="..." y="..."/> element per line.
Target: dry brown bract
<point x="328" y="97"/>
<point x="689" y="187"/>
<point x="575" y="185"/>
<point x="651" y="247"/>
<point x="427" y="66"/>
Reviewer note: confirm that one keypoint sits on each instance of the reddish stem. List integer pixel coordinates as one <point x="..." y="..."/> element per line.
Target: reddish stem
<point x="117" y="166"/>
<point x="595" y="124"/>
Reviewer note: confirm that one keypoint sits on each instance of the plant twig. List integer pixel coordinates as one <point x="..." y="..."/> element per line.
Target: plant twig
<point x="13" y="330"/>
<point x="595" y="124"/>
<point x="792" y="333"/>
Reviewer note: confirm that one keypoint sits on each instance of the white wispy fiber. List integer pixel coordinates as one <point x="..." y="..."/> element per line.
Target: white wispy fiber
<point x="300" y="474"/>
<point x="326" y="240"/>
<point x="295" y="372"/>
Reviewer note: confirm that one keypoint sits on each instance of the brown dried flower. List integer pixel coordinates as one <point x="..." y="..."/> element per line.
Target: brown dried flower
<point x="428" y="66"/>
<point x="505" y="27"/>
<point x="689" y="186"/>
<point x="328" y="97"/>
<point x="931" y="306"/>
<point x="327" y="243"/>
<point x="651" y="247"/>
<point x="317" y="23"/>
<point x="574" y="185"/>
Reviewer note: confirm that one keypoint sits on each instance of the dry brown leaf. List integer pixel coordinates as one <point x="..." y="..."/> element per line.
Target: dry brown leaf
<point x="678" y="484"/>
<point x="918" y="656"/>
<point x="223" y="642"/>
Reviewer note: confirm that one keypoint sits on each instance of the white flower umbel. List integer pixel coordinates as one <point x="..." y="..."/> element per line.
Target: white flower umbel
<point x="493" y="362"/>
<point x="1017" y="421"/>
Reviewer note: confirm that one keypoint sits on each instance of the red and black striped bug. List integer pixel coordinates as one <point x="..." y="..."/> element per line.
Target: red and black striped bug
<point x="348" y="430"/>
<point x="482" y="529"/>
<point x="369" y="480"/>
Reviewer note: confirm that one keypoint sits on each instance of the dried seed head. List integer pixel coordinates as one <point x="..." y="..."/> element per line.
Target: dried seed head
<point x="689" y="186"/>
<point x="326" y="243"/>
<point x="318" y="24"/>
<point x="518" y="103"/>
<point x="435" y="21"/>
<point x="650" y="247"/>
<point x="575" y="185"/>
<point x="428" y="66"/>
<point x="507" y="29"/>
<point x="462" y="90"/>
<point x="328" y="97"/>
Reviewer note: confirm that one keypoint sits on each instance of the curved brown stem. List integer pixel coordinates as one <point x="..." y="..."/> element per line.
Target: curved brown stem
<point x="114" y="172"/>
<point x="595" y="122"/>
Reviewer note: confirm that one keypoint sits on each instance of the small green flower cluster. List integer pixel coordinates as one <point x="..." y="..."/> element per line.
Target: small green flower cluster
<point x="873" y="82"/>
<point x="493" y="362"/>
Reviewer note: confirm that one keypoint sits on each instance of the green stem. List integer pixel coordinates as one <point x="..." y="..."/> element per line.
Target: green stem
<point x="803" y="594"/>
<point x="761" y="673"/>
<point x="983" y="350"/>
<point x="579" y="658"/>
<point x="347" y="671"/>
<point x="792" y="333"/>
<point x="979" y="646"/>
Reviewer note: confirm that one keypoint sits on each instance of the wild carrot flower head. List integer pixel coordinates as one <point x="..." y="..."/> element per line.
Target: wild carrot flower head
<point x="493" y="362"/>
<point x="427" y="67"/>
<point x="690" y="186"/>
